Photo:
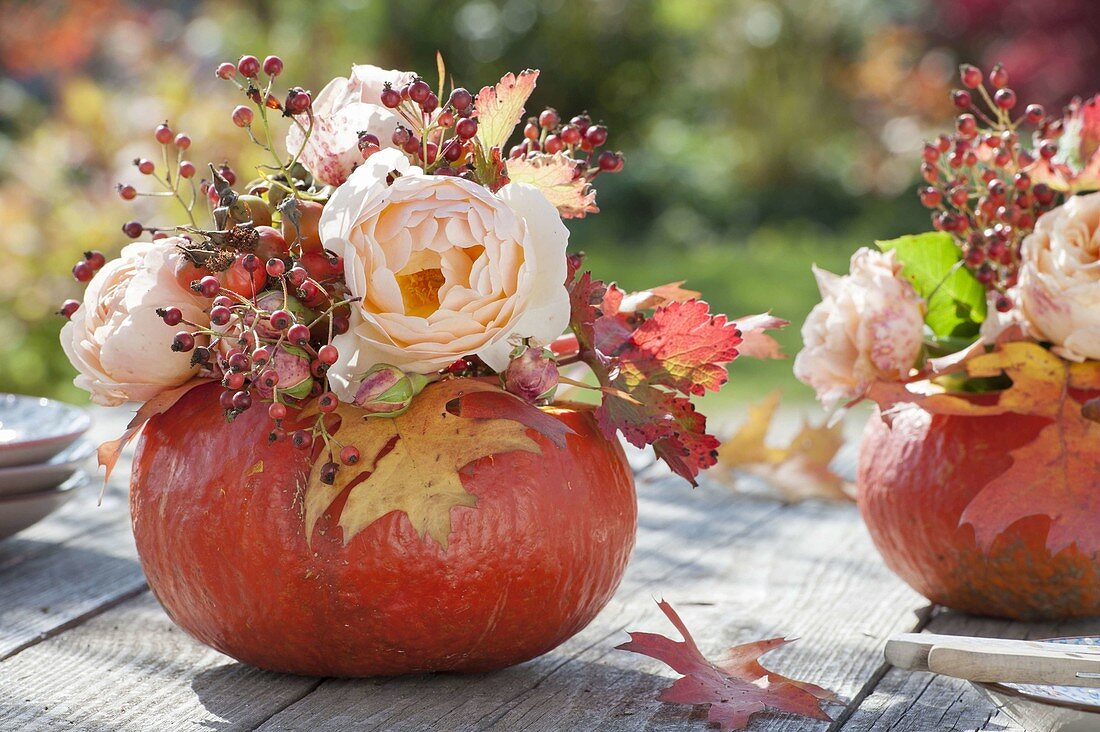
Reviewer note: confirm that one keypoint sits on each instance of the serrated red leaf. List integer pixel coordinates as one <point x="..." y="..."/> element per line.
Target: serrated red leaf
<point x="687" y="449"/>
<point x="670" y="423"/>
<point x="585" y="296"/>
<point x="682" y="346"/>
<point x="736" y="689"/>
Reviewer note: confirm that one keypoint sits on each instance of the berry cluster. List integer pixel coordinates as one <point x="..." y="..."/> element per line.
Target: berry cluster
<point x="579" y="139"/>
<point x="172" y="146"/>
<point x="979" y="179"/>
<point x="441" y="140"/>
<point x="276" y="297"/>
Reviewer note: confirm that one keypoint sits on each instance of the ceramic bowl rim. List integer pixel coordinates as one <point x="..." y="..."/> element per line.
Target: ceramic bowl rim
<point x="71" y="483"/>
<point x="81" y="422"/>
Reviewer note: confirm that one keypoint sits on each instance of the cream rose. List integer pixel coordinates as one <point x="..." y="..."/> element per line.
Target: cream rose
<point x="1059" y="289"/>
<point x="116" y="340"/>
<point x="869" y="326"/>
<point x="444" y="268"/>
<point x="343" y="109"/>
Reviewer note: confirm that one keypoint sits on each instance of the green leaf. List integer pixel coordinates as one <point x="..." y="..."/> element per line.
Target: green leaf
<point x="932" y="262"/>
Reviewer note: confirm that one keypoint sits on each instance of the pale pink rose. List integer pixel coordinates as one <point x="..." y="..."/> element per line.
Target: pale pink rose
<point x="444" y="267"/>
<point x="116" y="340"/>
<point x="1059" y="290"/>
<point x="343" y="109"/>
<point x="868" y="327"/>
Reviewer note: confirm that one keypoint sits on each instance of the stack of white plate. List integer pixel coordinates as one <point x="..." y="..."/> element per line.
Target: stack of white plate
<point x="41" y="455"/>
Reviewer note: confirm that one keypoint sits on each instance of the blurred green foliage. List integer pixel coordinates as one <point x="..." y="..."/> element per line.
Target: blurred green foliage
<point x="760" y="135"/>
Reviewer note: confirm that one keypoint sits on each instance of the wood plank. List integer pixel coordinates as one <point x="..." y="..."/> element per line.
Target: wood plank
<point x="132" y="669"/>
<point x="75" y="563"/>
<point x="69" y="567"/>
<point x="738" y="568"/>
<point x="908" y="701"/>
<point x="807" y="570"/>
<point x="157" y="689"/>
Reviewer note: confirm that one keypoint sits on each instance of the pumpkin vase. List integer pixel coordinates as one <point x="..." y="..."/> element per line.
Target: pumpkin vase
<point x="400" y="568"/>
<point x="991" y="515"/>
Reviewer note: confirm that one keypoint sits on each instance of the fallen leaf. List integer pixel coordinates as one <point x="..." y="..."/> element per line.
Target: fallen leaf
<point x="559" y="179"/>
<point x="499" y="108"/>
<point x="411" y="463"/>
<point x="747" y="446"/>
<point x="797" y="472"/>
<point x="736" y="689"/>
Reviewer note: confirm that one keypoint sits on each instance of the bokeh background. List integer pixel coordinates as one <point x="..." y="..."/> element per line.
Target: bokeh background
<point x="760" y="135"/>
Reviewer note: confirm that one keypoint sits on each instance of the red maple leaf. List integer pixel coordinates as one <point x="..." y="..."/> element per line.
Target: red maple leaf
<point x="682" y="347"/>
<point x="585" y="294"/>
<point x="1061" y="458"/>
<point x="643" y="363"/>
<point x="687" y="448"/>
<point x="735" y="689"/>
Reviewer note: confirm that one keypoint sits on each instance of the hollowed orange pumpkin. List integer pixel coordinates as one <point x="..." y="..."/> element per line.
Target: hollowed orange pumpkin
<point x="917" y="476"/>
<point x="225" y="550"/>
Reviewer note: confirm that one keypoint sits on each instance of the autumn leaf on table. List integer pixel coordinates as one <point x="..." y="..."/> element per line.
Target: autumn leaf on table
<point x="559" y="178"/>
<point x="735" y="689"/>
<point x="796" y="472"/>
<point x="411" y="463"/>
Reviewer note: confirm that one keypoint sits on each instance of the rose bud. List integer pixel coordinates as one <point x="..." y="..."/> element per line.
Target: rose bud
<point x="291" y="365"/>
<point x="387" y="391"/>
<point x="532" y="374"/>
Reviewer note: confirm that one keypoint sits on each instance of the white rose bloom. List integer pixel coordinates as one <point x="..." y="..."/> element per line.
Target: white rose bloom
<point x="116" y="340"/>
<point x="444" y="267"/>
<point x="868" y="327"/>
<point x="1059" y="290"/>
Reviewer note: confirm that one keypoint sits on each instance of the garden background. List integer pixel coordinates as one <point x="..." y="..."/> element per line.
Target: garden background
<point x="761" y="136"/>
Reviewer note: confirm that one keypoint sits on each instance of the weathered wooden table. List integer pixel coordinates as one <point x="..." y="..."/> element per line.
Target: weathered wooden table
<point x="84" y="646"/>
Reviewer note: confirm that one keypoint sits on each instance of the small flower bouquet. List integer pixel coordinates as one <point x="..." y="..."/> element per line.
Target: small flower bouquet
<point x="353" y="460"/>
<point x="980" y="344"/>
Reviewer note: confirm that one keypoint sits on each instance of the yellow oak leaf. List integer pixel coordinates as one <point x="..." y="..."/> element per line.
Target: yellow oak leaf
<point x="411" y="463"/>
<point x="796" y="472"/>
<point x="747" y="445"/>
<point x="1039" y="380"/>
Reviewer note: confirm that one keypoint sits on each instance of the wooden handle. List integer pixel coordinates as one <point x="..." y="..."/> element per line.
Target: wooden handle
<point x="1023" y="666"/>
<point x="995" y="659"/>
